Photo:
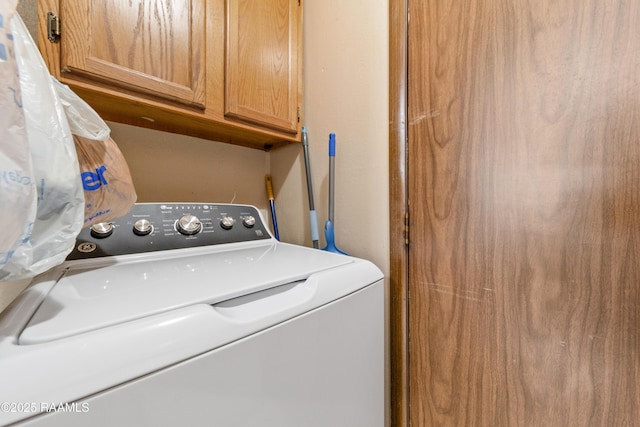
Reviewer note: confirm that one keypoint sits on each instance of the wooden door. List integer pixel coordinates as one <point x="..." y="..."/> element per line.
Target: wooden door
<point x="262" y="76"/>
<point x="524" y="203"/>
<point x="151" y="47"/>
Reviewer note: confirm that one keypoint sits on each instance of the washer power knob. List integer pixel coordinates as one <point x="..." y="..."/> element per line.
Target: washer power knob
<point x="101" y="230"/>
<point x="249" y="221"/>
<point x="227" y="222"/>
<point x="188" y="225"/>
<point x="142" y="227"/>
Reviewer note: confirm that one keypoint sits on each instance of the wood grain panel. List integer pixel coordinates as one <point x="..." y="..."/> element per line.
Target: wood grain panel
<point x="261" y="79"/>
<point x="155" y="47"/>
<point x="524" y="198"/>
<point x="398" y="249"/>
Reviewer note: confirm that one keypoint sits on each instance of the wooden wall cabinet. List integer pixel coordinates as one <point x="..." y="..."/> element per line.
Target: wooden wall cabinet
<point x="262" y="77"/>
<point x="225" y="70"/>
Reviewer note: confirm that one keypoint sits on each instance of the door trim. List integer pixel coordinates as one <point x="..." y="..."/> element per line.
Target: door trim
<point x="398" y="208"/>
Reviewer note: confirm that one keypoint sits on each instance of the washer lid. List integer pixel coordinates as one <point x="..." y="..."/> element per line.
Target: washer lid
<point x="87" y="299"/>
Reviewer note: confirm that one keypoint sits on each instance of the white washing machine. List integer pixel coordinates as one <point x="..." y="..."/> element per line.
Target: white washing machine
<point x="194" y="315"/>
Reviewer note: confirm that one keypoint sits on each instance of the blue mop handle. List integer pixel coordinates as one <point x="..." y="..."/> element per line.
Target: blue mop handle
<point x="332" y="173"/>
<point x="332" y="145"/>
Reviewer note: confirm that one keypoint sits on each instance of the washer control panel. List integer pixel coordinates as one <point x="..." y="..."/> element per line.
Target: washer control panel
<point x="152" y="227"/>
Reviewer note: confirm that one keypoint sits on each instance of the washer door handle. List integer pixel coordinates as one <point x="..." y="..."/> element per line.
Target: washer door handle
<point x="269" y="302"/>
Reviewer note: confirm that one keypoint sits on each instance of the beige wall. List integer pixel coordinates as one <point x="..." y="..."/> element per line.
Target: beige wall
<point x="167" y="167"/>
<point x="345" y="92"/>
<point x="28" y="12"/>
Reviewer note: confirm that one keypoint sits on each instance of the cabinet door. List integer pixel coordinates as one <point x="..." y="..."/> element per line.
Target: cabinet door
<point x="150" y="46"/>
<point x="262" y="54"/>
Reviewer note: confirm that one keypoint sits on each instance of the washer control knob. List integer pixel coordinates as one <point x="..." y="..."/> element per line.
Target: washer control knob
<point x="227" y="222"/>
<point x="249" y="221"/>
<point x="188" y="225"/>
<point x="101" y="230"/>
<point x="142" y="227"/>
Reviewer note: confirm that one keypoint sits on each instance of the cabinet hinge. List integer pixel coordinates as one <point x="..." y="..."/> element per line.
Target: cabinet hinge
<point x="406" y="228"/>
<point x="53" y="27"/>
<point x="298" y="112"/>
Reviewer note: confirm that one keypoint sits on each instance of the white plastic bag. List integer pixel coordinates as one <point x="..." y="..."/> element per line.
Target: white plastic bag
<point x="60" y="205"/>
<point x="17" y="186"/>
<point x="108" y="187"/>
<point x="83" y="120"/>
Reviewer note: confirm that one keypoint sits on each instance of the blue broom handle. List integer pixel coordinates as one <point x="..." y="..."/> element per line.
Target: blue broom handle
<point x="332" y="172"/>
